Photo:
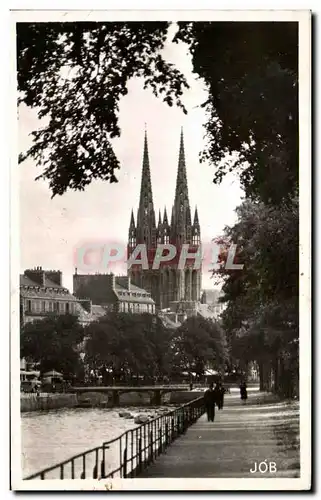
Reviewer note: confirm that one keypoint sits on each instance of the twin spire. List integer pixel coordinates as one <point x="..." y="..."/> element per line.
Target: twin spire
<point x="181" y="227"/>
<point x="146" y="194"/>
<point x="181" y="180"/>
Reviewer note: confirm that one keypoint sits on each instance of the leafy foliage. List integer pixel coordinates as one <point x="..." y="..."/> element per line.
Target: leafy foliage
<point x="200" y="343"/>
<point x="129" y="345"/>
<point x="261" y="318"/>
<point x="74" y="74"/>
<point x="53" y="342"/>
<point x="251" y="73"/>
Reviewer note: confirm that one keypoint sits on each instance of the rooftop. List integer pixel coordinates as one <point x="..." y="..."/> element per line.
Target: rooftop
<point x="32" y="289"/>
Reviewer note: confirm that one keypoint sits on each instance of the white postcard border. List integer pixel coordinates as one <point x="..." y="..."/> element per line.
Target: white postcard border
<point x="239" y="484"/>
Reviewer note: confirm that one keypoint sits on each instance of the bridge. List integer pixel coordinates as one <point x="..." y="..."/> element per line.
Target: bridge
<point x="156" y="391"/>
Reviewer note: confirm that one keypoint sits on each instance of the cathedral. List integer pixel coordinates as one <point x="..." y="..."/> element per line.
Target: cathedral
<point x="169" y="286"/>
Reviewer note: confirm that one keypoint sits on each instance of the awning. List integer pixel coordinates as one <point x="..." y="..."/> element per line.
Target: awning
<point x="211" y="372"/>
<point x="53" y="373"/>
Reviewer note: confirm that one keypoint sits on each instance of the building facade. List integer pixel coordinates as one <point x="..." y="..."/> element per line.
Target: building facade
<point x="113" y="293"/>
<point x="211" y="298"/>
<point x="167" y="285"/>
<point x="42" y="294"/>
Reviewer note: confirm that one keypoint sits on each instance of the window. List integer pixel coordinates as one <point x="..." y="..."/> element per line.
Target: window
<point x="166" y="239"/>
<point x="56" y="307"/>
<point x="67" y="308"/>
<point x="50" y="307"/>
<point x="28" y="305"/>
<point x="43" y="306"/>
<point x="62" y="307"/>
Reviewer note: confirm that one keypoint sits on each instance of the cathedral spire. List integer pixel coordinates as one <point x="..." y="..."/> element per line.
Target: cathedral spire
<point x="132" y="221"/>
<point x="146" y="215"/>
<point x="159" y="219"/>
<point x="146" y="185"/>
<point x="181" y="215"/>
<point x="165" y="218"/>
<point x="196" y="222"/>
<point x="181" y="192"/>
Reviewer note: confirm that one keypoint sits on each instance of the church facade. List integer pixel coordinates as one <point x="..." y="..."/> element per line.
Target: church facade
<point x="169" y="286"/>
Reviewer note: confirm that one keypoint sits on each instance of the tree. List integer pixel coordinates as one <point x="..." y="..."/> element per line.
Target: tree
<point x="261" y="318"/>
<point x="251" y="73"/>
<point x="53" y="342"/>
<point x="129" y="345"/>
<point x="198" y="343"/>
<point x="74" y="74"/>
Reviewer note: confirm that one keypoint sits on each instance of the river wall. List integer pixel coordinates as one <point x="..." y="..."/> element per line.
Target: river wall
<point x="32" y="402"/>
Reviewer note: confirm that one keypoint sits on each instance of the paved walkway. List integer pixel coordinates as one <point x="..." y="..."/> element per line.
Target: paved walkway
<point x="263" y="429"/>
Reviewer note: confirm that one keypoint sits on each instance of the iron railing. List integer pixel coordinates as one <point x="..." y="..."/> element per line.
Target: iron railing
<point x="129" y="454"/>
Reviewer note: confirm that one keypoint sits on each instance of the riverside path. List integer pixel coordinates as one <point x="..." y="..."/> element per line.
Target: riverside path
<point x="264" y="429"/>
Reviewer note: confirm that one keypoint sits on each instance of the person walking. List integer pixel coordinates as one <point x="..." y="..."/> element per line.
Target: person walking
<point x="217" y="392"/>
<point x="243" y="391"/>
<point x="209" y="400"/>
<point x="220" y="396"/>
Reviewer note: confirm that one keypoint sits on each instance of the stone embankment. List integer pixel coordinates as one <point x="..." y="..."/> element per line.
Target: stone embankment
<point x="46" y="401"/>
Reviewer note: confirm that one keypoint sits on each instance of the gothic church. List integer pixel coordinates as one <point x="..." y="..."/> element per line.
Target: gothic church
<point x="169" y="286"/>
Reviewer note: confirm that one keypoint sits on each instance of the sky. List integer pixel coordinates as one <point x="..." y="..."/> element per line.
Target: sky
<point x="51" y="230"/>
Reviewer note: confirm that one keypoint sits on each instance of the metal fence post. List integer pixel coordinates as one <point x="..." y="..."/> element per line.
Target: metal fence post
<point x="140" y="465"/>
<point x="124" y="474"/>
<point x="151" y="446"/>
<point x="166" y="434"/>
<point x="95" y="470"/>
<point x="160" y="445"/>
<point x="102" y="465"/>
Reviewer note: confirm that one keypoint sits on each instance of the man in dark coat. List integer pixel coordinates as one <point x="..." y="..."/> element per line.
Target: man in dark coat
<point x="219" y="395"/>
<point x="243" y="391"/>
<point x="209" y="400"/>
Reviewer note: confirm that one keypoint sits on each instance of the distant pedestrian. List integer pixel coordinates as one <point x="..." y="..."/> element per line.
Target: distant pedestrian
<point x="191" y="386"/>
<point x="243" y="391"/>
<point x="219" y="395"/>
<point x="209" y="400"/>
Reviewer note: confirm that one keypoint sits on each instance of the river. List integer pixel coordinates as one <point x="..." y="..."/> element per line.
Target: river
<point x="49" y="437"/>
